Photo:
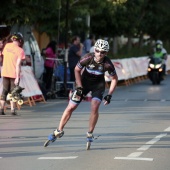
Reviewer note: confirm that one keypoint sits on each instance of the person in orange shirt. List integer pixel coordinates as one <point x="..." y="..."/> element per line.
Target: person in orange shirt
<point x="13" y="56"/>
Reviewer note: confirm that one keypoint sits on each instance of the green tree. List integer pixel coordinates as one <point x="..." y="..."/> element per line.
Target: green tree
<point x="109" y="18"/>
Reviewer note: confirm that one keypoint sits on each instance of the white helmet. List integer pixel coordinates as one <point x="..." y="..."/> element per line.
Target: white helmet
<point x="159" y="42"/>
<point x="102" y="45"/>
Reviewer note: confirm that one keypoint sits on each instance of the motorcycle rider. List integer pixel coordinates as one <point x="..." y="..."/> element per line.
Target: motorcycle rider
<point x="160" y="52"/>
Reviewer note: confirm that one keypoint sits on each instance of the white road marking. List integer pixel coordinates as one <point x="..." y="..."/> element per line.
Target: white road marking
<point x="0" y="157"/>
<point x="144" y="147"/>
<point x="137" y="159"/>
<point x="151" y="142"/>
<point x="161" y="135"/>
<point x="156" y="139"/>
<point x="135" y="154"/>
<point x="167" y="130"/>
<point x="50" y="158"/>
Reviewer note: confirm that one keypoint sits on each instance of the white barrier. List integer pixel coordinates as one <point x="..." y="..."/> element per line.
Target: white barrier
<point x="168" y="63"/>
<point x="29" y="82"/>
<point x="132" y="67"/>
<point x="125" y="68"/>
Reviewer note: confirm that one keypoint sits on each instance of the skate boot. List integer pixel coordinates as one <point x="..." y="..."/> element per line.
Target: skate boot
<point x="16" y="96"/>
<point x="89" y="140"/>
<point x="14" y="113"/>
<point x="2" y="112"/>
<point x="52" y="137"/>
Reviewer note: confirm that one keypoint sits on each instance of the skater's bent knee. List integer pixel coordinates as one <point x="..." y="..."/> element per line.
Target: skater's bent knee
<point x="71" y="107"/>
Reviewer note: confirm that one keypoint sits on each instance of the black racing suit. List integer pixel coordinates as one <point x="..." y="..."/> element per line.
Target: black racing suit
<point x="93" y="75"/>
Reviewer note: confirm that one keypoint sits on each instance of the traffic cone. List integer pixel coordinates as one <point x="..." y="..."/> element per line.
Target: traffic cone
<point x="88" y="97"/>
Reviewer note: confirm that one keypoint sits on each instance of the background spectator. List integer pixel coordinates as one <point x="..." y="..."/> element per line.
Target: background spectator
<point x="50" y="56"/>
<point x="74" y="55"/>
<point x="88" y="43"/>
<point x="1" y="55"/>
<point x="1" y="48"/>
<point x="13" y="54"/>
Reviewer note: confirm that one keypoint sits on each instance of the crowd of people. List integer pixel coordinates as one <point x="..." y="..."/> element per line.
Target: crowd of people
<point x="78" y="53"/>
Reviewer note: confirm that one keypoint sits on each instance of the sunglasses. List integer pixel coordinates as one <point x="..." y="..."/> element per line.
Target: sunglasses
<point x="101" y="52"/>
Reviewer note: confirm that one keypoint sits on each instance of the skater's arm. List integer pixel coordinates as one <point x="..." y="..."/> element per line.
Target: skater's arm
<point x="113" y="84"/>
<point x="77" y="72"/>
<point x="111" y="89"/>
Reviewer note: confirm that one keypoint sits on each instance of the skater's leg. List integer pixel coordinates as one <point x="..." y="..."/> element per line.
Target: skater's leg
<point x="6" y="86"/>
<point x="13" y="104"/>
<point x="66" y="115"/>
<point x="2" y="103"/>
<point x="94" y="114"/>
<point x="13" y="107"/>
<point x="58" y="133"/>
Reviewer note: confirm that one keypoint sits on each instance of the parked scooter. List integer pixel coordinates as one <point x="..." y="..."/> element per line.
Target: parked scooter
<point x="155" y="70"/>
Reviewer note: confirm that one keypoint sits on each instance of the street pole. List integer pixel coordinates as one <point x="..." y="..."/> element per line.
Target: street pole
<point x="58" y="34"/>
<point x="66" y="48"/>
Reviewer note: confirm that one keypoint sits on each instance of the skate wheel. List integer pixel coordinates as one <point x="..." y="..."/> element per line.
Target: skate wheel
<point x="10" y="96"/>
<point x="20" y="102"/>
<point x="47" y="143"/>
<point x="14" y="100"/>
<point x="88" y="145"/>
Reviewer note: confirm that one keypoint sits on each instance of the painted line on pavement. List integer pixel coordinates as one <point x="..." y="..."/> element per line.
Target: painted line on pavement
<point x="54" y="158"/>
<point x="137" y="159"/>
<point x="167" y="130"/>
<point x="156" y="139"/>
<point x="144" y="147"/>
<point x="135" y="155"/>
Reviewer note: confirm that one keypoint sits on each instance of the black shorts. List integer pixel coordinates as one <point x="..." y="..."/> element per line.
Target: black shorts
<point x="97" y="90"/>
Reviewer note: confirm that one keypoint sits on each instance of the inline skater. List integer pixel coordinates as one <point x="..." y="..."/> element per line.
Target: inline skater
<point x="92" y="79"/>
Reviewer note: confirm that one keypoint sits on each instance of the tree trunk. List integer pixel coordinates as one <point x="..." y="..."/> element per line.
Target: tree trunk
<point x="115" y="46"/>
<point x="129" y="43"/>
<point x="141" y="40"/>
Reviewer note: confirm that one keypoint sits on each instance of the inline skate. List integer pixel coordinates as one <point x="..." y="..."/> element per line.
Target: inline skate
<point x="89" y="140"/>
<point x="52" y="137"/>
<point x="16" y="96"/>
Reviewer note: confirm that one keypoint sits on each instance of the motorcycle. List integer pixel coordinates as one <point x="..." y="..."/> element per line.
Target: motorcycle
<point x="155" y="70"/>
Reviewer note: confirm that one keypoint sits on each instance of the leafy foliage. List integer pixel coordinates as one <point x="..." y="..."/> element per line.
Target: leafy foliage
<point x="109" y="18"/>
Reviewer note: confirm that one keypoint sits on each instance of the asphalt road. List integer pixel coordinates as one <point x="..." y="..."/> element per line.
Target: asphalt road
<point x="133" y="133"/>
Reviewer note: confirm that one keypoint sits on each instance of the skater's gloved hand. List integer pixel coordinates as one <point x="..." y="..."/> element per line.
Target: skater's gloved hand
<point x="79" y="91"/>
<point x="107" y="99"/>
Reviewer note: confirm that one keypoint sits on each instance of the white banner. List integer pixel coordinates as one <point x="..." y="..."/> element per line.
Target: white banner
<point x="132" y="67"/>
